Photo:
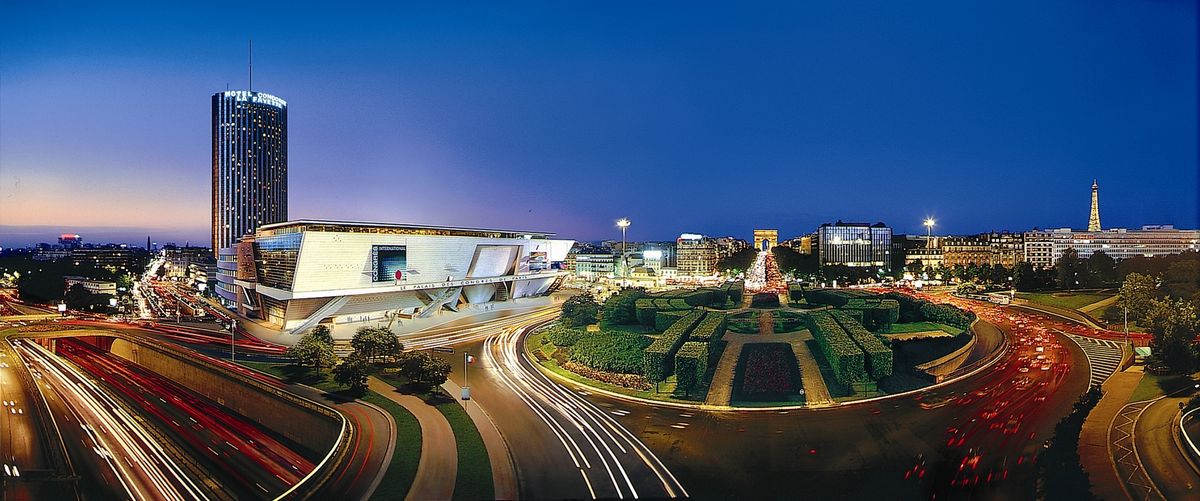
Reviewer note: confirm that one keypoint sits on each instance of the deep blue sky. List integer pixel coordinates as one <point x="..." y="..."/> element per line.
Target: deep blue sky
<point x="564" y="116"/>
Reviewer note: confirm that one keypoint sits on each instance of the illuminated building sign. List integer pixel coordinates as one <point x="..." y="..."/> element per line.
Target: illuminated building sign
<point x="255" y="97"/>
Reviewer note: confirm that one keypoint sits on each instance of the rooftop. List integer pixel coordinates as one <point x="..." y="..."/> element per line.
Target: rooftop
<point x="358" y="226"/>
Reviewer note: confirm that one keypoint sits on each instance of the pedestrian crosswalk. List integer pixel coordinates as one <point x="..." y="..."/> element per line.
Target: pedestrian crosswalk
<point x="1104" y="356"/>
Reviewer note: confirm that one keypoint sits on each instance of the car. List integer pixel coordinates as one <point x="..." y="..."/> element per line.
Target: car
<point x="1023" y="369"/>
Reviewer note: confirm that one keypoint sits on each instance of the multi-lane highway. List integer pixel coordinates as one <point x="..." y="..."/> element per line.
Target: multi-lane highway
<point x="249" y="459"/>
<point x="116" y="456"/>
<point x="25" y="462"/>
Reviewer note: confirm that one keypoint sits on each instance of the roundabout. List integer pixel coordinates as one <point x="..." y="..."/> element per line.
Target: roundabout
<point x="993" y="419"/>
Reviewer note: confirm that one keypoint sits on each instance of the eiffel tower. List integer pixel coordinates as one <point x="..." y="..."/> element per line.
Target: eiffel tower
<point x="1094" y="219"/>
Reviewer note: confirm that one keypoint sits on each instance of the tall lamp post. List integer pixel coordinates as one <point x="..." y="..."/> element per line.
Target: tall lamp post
<point x="623" y="224"/>
<point x="929" y="222"/>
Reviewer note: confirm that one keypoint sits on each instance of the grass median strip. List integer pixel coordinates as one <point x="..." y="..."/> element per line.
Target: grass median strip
<point x="403" y="467"/>
<point x="474" y="479"/>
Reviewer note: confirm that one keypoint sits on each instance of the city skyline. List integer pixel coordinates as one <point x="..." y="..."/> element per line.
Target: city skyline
<point x="418" y="107"/>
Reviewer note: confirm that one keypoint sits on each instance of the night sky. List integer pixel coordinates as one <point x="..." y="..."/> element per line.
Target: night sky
<point x="564" y="116"/>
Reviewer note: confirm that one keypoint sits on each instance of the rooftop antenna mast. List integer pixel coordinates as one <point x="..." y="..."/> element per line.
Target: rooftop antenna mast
<point x="251" y="83"/>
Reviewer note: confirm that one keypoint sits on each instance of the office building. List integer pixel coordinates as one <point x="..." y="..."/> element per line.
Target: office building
<point x="249" y="164"/>
<point x="857" y="245"/>
<point x="1043" y="248"/>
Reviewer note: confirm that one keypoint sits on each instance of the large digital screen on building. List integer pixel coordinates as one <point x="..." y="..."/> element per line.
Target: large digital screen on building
<point x="386" y="260"/>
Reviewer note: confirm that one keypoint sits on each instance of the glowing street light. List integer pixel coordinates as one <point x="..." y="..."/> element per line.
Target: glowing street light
<point x="929" y="222"/>
<point x="623" y="224"/>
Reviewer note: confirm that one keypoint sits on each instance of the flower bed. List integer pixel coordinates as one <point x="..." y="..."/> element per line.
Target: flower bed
<point x="767" y="372"/>
<point x="631" y="381"/>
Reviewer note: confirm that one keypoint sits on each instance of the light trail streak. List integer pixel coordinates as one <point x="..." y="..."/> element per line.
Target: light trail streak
<point x="115" y="432"/>
<point x="569" y="415"/>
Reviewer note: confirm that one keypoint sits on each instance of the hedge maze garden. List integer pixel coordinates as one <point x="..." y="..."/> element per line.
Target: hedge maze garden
<point x="684" y="344"/>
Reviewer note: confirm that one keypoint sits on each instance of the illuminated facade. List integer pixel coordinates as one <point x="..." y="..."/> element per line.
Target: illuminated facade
<point x="765" y="239"/>
<point x="298" y="274"/>
<point x="249" y="164"/>
<point x="696" y="256"/>
<point x="857" y="245"/>
<point x="1045" y="248"/>
<point x="986" y="249"/>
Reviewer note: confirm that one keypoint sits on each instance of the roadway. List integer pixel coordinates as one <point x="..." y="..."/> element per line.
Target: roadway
<point x="115" y="456"/>
<point x="1160" y="453"/>
<point x="26" y="464"/>
<point x="574" y="443"/>
<point x="249" y="461"/>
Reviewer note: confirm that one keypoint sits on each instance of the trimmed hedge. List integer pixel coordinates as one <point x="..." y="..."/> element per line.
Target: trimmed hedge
<point x="733" y="291"/>
<point x="561" y="335"/>
<point x="611" y="351"/>
<point x="691" y="364"/>
<point x="657" y="359"/>
<point x="795" y="292"/>
<point x="834" y="297"/>
<point x="664" y="319"/>
<point x="843" y="354"/>
<point x="878" y="356"/>
<point x="876" y="313"/>
<point x="648" y="308"/>
<point x="919" y="310"/>
<point x="710" y="329"/>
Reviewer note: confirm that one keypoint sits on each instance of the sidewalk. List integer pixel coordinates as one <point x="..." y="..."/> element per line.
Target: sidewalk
<point x="816" y="394"/>
<point x="439" y="456"/>
<point x="504" y="476"/>
<point x="1094" y="451"/>
<point x="720" y="390"/>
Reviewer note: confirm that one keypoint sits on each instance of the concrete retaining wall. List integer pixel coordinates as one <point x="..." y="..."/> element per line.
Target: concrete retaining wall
<point x="312" y="430"/>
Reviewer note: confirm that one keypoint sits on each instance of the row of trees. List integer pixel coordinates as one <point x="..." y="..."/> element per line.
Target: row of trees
<point x="375" y="349"/>
<point x="738" y="262"/>
<point x="1164" y="306"/>
<point x="1070" y="272"/>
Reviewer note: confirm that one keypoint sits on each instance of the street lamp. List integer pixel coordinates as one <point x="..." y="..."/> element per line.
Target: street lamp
<point x="623" y="224"/>
<point x="929" y="222"/>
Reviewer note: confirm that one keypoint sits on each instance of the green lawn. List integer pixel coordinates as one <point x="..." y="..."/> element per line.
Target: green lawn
<point x="474" y="479"/>
<point x="403" y="467"/>
<point x="920" y="327"/>
<point x="1068" y="300"/>
<point x="1152" y="386"/>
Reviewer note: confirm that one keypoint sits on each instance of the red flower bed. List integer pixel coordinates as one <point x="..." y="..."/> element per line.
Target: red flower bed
<point x="767" y="371"/>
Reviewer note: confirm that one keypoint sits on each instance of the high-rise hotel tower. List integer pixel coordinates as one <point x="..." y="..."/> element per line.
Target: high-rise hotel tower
<point x="249" y="164"/>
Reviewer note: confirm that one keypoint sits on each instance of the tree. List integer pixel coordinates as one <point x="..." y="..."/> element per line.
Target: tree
<point x="424" y="370"/>
<point x="1102" y="268"/>
<point x="1182" y="279"/>
<point x="1137" y="293"/>
<point x="79" y="298"/>
<point x="322" y="333"/>
<point x="1070" y="270"/>
<point x="1025" y="278"/>
<point x="315" y="349"/>
<point x="737" y="262"/>
<point x="1173" y="323"/>
<point x="352" y="373"/>
<point x="375" y="344"/>
<point x="620" y="308"/>
<point x="579" y="311"/>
